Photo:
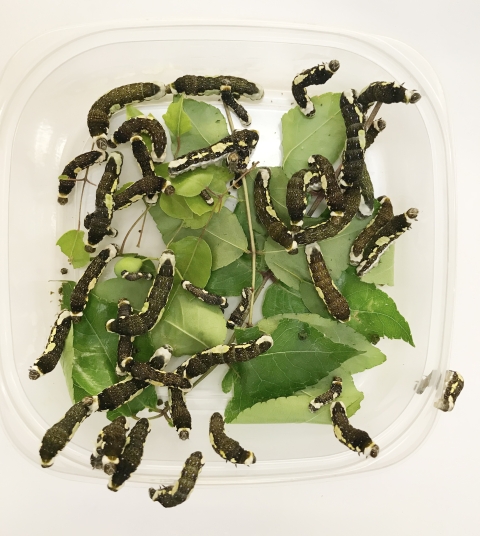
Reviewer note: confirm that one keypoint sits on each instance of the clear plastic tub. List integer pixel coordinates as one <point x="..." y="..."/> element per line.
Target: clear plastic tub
<point x="45" y="93"/>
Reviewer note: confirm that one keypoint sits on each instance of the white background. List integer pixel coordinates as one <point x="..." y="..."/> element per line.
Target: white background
<point x="436" y="489"/>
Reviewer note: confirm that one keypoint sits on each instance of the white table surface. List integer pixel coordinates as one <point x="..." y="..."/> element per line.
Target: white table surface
<point x="436" y="489"/>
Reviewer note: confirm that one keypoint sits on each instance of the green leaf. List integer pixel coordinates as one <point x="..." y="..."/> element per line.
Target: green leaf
<point x="228" y="381"/>
<point x="282" y="299"/>
<point x="312" y="301"/>
<point x="231" y="279"/>
<point x="198" y="206"/>
<point x="190" y="183"/>
<point x="207" y="127"/>
<point x="226" y="238"/>
<point x="114" y="289"/>
<point x="384" y="272"/>
<point x="175" y="206"/>
<point x="243" y="335"/>
<point x="369" y="356"/>
<point x="290" y="269"/>
<point x="259" y="230"/>
<point x="189" y="325"/>
<point x="291" y="364"/>
<point x="322" y="134"/>
<point x="169" y="227"/>
<point x="373" y="313"/>
<point x="71" y="244"/>
<point x="294" y="409"/>
<point x="193" y="260"/>
<point x="177" y="121"/>
<point x="124" y="187"/>
<point x="66" y="362"/>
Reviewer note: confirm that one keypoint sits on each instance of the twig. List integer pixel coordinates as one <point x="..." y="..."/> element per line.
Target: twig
<point x="316" y="203"/>
<point x="131" y="229"/>
<point x="371" y="117"/>
<point x="85" y="180"/>
<point x="252" y="247"/>
<point x="229" y="118"/>
<point x="143" y="223"/>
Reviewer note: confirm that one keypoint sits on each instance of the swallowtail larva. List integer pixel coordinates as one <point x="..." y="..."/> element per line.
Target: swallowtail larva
<point x="452" y="388"/>
<point x="226" y="447"/>
<point x="110" y="444"/>
<point x="238" y="316"/>
<point x="68" y="178"/>
<point x="388" y="93"/>
<point x="181" y="418"/>
<point x="328" y="397"/>
<point x="205" y="296"/>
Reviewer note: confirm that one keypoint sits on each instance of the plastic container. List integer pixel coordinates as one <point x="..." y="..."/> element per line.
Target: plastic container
<point x="45" y="93"/>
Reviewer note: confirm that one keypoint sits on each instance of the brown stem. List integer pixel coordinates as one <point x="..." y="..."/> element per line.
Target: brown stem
<point x="131" y="229"/>
<point x="143" y="224"/>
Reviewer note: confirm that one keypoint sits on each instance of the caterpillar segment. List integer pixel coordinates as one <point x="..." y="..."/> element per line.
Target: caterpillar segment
<point x="205" y="296"/>
<point x="333" y="225"/>
<point x="147" y="187"/>
<point x="161" y="357"/>
<point x="79" y="296"/>
<point x="135" y="276"/>
<point x="335" y="302"/>
<point x="375" y="128"/>
<point x="239" y="140"/>
<point x="237" y="163"/>
<point x="207" y="197"/>
<point x="384" y="238"/>
<point x="353" y="156"/>
<point x="145" y="372"/>
<point x="110" y="444"/>
<point x="328" y="397"/>
<point x="225" y="446"/>
<point x="200" y="363"/>
<point x="181" y="418"/>
<point x="387" y="93"/>
<point x="155" y="302"/>
<point x="211" y="85"/>
<point x="58" y="436"/>
<point x="229" y="100"/>
<point x="125" y="349"/>
<point x="142" y="124"/>
<point x="55" y="345"/>
<point x="142" y="156"/>
<point x="324" y="178"/>
<point x="356" y="440"/>
<point x="239" y="315"/>
<point x="98" y="119"/>
<point x="309" y="77"/>
<point x="179" y="492"/>
<point x="452" y="387"/>
<point x="382" y="217"/>
<point x="68" y="178"/>
<point x="131" y="456"/>
<point x="296" y="198"/>
<point x="267" y="215"/>
<point x="98" y="222"/>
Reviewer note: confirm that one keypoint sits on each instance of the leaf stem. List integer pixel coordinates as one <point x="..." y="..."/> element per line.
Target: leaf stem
<point x="229" y="118"/>
<point x="373" y="114"/>
<point x="252" y="247"/>
<point x="147" y="209"/>
<point x="85" y="180"/>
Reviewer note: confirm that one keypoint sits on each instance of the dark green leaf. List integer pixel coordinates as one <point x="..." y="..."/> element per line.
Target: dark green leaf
<point x="281" y="299"/>
<point x="373" y="313"/>
<point x="291" y="364"/>
<point x="294" y="409"/>
<point x="278" y="191"/>
<point x="322" y="134"/>
<point x="71" y="244"/>
<point x="243" y="335"/>
<point x="231" y="279"/>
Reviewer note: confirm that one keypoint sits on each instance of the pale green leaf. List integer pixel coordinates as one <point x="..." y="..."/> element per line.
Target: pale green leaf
<point x="177" y="121"/>
<point x="290" y="269"/>
<point x="193" y="260"/>
<point x="175" y="206"/>
<point x="71" y="244"/>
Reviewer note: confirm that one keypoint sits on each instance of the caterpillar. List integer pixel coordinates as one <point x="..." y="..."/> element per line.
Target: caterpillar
<point x="314" y="76"/>
<point x="384" y="238"/>
<point x="387" y="93"/>
<point x="98" y="119"/>
<point x="452" y="388"/>
<point x="237" y="163"/>
<point x="267" y="215"/>
<point x="205" y="296"/>
<point x="353" y="156"/>
<point x="181" y="418"/>
<point x="238" y="316"/>
<point x="131" y="456"/>
<point x="179" y="492"/>
<point x="79" y="296"/>
<point x="239" y="140"/>
<point x="55" y="345"/>
<point x="383" y="216"/>
<point x="98" y="222"/>
<point x="147" y="373"/>
<point x="229" y="100"/>
<point x="125" y="360"/>
<point x="135" y="276"/>
<point x="125" y="347"/>
<point x="226" y="447"/>
<point x="144" y="125"/>
<point x="200" y="363"/>
<point x="148" y="187"/>
<point x="356" y="440"/>
<point x="57" y="437"/>
<point x="155" y="302"/>
<point x="296" y="198"/>
<point x="68" y="178"/>
<point x="110" y="444"/>
<point x="335" y="302"/>
<point x="375" y="128"/>
<point x="327" y="397"/>
<point x="333" y="225"/>
<point x="324" y="178"/>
